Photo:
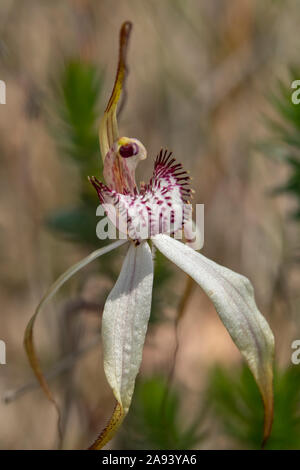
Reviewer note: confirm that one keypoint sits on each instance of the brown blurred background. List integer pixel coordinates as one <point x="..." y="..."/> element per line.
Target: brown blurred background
<point x="200" y="73"/>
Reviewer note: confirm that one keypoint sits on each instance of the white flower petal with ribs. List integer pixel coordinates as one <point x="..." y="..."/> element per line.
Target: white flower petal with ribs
<point x="160" y="207"/>
<point x="233" y="298"/>
<point x="124" y="323"/>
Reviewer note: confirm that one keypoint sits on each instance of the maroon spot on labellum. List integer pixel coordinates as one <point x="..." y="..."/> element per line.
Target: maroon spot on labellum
<point x="128" y="150"/>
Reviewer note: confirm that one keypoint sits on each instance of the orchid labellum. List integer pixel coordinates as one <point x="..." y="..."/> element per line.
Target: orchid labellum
<point x="127" y="308"/>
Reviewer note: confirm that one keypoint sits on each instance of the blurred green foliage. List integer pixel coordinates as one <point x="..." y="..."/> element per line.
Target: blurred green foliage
<point x="154" y="420"/>
<point x="285" y="141"/>
<point x="77" y="91"/>
<point x="236" y="404"/>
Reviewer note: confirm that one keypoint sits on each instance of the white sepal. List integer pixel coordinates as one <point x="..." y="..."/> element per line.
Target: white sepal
<point x="125" y="320"/>
<point x="233" y="298"/>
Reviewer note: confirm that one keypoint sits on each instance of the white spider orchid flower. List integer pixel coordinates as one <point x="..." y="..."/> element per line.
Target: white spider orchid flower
<point x="127" y="308"/>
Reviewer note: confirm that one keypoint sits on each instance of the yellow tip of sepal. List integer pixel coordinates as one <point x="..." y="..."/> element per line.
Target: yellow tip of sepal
<point x="110" y="429"/>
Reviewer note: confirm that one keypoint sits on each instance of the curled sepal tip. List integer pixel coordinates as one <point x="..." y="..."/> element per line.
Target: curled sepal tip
<point x="108" y="131"/>
<point x="110" y="430"/>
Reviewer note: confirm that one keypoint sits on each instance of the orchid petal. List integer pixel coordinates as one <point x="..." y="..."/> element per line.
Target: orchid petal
<point x="233" y="298"/>
<point x="28" y="337"/>
<point x="108" y="131"/>
<point x="124" y="325"/>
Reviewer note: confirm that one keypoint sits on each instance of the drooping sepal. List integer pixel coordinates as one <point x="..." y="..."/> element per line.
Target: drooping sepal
<point x="29" y="332"/>
<point x="124" y="325"/>
<point x="233" y="297"/>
